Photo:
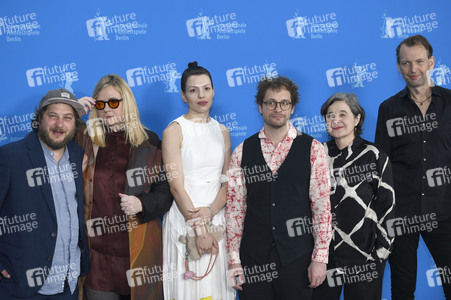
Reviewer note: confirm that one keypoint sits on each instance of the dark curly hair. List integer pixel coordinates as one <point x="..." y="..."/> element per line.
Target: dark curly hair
<point x="276" y="84"/>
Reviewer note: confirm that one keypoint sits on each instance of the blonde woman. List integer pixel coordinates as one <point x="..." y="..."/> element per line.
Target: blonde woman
<point x="125" y="191"/>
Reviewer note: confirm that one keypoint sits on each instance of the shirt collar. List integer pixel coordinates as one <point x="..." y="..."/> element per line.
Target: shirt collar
<point x="334" y="150"/>
<point x="291" y="134"/>
<point x="50" y="154"/>
<point x="434" y="89"/>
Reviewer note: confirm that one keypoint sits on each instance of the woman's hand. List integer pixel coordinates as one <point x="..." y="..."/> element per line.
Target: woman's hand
<point x="88" y="102"/>
<point x="130" y="205"/>
<point x="200" y="212"/>
<point x="204" y="243"/>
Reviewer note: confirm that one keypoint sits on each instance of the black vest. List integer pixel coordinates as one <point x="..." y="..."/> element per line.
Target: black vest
<point x="278" y="205"/>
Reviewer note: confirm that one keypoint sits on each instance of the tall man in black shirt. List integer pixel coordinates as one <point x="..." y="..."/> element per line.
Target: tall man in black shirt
<point x="414" y="129"/>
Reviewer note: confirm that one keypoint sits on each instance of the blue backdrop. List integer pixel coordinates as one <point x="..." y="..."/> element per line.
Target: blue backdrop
<point x="325" y="47"/>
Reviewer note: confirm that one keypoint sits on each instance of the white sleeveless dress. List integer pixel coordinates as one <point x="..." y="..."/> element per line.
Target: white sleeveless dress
<point x="202" y="154"/>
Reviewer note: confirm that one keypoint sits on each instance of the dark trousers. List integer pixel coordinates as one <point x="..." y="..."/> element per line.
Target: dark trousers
<point x="272" y="281"/>
<point x="91" y="294"/>
<point x="359" y="281"/>
<point x="65" y="295"/>
<point x="403" y="260"/>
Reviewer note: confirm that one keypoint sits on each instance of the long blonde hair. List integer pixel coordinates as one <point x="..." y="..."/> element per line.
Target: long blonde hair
<point x="134" y="129"/>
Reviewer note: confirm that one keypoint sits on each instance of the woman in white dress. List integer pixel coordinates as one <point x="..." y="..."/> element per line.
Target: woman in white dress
<point x="197" y="148"/>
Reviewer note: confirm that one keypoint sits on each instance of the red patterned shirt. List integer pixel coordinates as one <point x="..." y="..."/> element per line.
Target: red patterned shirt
<point x="319" y="193"/>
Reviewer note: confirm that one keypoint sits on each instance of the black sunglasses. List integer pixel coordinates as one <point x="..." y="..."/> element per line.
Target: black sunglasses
<point x="113" y="103"/>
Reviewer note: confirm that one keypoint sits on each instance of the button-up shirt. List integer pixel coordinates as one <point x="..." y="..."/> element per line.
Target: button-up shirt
<point x="110" y="254"/>
<point x="420" y="151"/>
<point x="319" y="191"/>
<point x="66" y="258"/>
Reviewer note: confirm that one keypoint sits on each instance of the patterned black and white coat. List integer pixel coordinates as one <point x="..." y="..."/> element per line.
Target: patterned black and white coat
<point x="362" y="201"/>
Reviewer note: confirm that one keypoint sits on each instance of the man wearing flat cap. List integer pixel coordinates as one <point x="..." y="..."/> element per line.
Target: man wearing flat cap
<point x="43" y="245"/>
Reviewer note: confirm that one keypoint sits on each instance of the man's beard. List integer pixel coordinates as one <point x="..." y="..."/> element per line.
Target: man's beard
<point x="44" y="135"/>
<point x="274" y="124"/>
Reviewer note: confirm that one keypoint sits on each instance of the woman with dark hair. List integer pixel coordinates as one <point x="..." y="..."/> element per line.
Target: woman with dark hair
<point x="199" y="149"/>
<point x="362" y="201"/>
<point x="123" y="202"/>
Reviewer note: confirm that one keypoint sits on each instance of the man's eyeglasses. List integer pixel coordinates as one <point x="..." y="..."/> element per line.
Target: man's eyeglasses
<point x="271" y="104"/>
<point x="113" y="103"/>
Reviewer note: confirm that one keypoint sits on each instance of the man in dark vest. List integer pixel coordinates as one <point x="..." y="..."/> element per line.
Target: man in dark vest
<point x="278" y="210"/>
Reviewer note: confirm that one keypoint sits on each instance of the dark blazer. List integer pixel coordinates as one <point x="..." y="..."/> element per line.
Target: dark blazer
<point x="26" y="200"/>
